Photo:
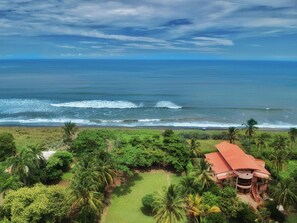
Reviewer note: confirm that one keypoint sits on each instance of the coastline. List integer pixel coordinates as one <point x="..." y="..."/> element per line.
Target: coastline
<point x="161" y="128"/>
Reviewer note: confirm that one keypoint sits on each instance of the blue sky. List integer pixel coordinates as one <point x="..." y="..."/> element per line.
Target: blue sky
<point x="149" y="29"/>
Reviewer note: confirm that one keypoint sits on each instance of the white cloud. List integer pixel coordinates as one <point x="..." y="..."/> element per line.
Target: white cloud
<point x="67" y="46"/>
<point x="143" y="25"/>
<point x="209" y="41"/>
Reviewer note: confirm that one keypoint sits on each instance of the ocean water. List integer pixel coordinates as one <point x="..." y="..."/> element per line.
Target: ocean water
<point x="197" y="94"/>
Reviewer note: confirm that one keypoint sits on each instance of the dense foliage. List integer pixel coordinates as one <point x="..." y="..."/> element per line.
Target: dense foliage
<point x="36" y="204"/>
<point x="56" y="165"/>
<point x="170" y="150"/>
<point x="95" y="157"/>
<point x="7" y="146"/>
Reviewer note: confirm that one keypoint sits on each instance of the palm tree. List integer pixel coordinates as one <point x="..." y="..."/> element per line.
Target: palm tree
<point x="87" y="206"/>
<point x="285" y="193"/>
<point x="188" y="185"/>
<point x="232" y="134"/>
<point x="280" y="143"/>
<point x="106" y="172"/>
<point x="36" y="151"/>
<point x="262" y="141"/>
<point x="86" y="200"/>
<point x="70" y="129"/>
<point x="250" y="127"/>
<point x="202" y="177"/>
<point x="104" y="166"/>
<point x="169" y="205"/>
<point x="197" y="210"/>
<point x="24" y="165"/>
<point x="195" y="148"/>
<point x="293" y="136"/>
<point x="279" y="159"/>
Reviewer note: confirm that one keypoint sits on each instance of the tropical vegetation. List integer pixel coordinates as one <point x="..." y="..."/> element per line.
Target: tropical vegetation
<point x="80" y="180"/>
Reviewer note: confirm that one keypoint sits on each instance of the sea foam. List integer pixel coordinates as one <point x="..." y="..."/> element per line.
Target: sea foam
<point x="98" y="104"/>
<point x="13" y="106"/>
<point x="167" y="104"/>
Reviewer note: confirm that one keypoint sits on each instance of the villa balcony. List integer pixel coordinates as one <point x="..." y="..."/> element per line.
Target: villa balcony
<point x="244" y="186"/>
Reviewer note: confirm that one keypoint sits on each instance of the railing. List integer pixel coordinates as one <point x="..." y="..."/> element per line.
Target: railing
<point x="255" y="193"/>
<point x="244" y="183"/>
<point x="243" y="187"/>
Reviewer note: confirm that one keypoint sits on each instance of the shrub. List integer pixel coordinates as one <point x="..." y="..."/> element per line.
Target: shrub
<point x="246" y="215"/>
<point x="66" y="158"/>
<point x="56" y="165"/>
<point x="134" y="141"/>
<point x="7" y="146"/>
<point x="89" y="140"/>
<point x="218" y="136"/>
<point x="53" y="170"/>
<point x="195" y="135"/>
<point x="275" y="214"/>
<point x="37" y="204"/>
<point x="216" y="218"/>
<point x="147" y="202"/>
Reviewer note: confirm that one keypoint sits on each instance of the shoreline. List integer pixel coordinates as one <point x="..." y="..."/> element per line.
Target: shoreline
<point x="138" y="128"/>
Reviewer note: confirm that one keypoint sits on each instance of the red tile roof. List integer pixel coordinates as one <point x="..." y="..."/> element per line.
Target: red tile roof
<point x="230" y="157"/>
<point x="217" y="162"/>
<point x="235" y="157"/>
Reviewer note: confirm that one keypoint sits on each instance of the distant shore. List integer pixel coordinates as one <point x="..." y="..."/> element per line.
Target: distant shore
<point x="138" y="127"/>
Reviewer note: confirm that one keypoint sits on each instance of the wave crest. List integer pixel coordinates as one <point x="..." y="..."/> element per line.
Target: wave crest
<point x="98" y="104"/>
<point x="167" y="104"/>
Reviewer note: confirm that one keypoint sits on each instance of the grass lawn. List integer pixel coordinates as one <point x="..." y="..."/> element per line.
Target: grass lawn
<point x="126" y="203"/>
<point x="67" y="176"/>
<point x="51" y="137"/>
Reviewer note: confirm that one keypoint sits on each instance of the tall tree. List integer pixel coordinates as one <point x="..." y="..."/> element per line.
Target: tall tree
<point x="232" y="134"/>
<point x="279" y="159"/>
<point x="25" y="165"/>
<point x="280" y="143"/>
<point x="70" y="129"/>
<point x="292" y="136"/>
<point x="178" y="151"/>
<point x="105" y="167"/>
<point x="195" y="149"/>
<point x="86" y="200"/>
<point x="7" y="146"/>
<point x="262" y="141"/>
<point x="188" y="185"/>
<point x="250" y="129"/>
<point x="197" y="210"/>
<point x="285" y="193"/>
<point x="169" y="206"/>
<point x="203" y="177"/>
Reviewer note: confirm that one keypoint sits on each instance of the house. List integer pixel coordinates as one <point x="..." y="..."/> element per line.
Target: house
<point x="231" y="162"/>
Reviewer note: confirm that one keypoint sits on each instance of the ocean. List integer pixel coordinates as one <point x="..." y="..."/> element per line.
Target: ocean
<point x="143" y="93"/>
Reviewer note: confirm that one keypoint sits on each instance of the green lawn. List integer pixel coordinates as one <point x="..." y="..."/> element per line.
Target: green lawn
<point x="67" y="176"/>
<point x="126" y="203"/>
<point x="51" y="137"/>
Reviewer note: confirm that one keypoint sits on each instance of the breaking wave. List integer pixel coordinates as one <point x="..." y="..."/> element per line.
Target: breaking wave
<point x="167" y="104"/>
<point x="138" y="123"/>
<point x="98" y="104"/>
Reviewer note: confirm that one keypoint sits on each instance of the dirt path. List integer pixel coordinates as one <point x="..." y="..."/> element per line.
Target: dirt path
<point x="104" y="214"/>
<point x="168" y="178"/>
